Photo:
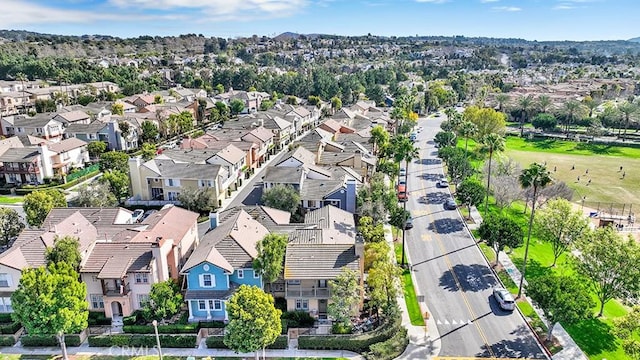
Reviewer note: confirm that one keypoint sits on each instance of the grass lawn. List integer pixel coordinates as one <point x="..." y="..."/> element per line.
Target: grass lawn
<point x="149" y="357"/>
<point x="10" y="199"/>
<point x="410" y="298"/>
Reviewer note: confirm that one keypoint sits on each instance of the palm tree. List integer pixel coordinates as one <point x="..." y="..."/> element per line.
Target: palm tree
<point x="590" y="104"/>
<point x="467" y="129"/>
<point x="525" y="103"/>
<point x="628" y="112"/>
<point x="502" y="100"/>
<point x="491" y="143"/>
<point x="404" y="150"/>
<point x="544" y="103"/>
<point x="572" y="110"/>
<point x="379" y="138"/>
<point x="536" y="176"/>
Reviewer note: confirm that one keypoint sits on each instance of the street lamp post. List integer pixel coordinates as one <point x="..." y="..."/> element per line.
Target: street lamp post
<point x="155" y="329"/>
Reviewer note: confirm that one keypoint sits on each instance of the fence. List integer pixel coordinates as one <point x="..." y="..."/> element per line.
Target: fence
<point x="617" y="213"/>
<point x="83" y="172"/>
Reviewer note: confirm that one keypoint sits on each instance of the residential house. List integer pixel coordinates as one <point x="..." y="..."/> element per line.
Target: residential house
<point x="264" y="139"/>
<point x="73" y="117"/>
<point x="160" y="180"/>
<point x="68" y="154"/>
<point x="221" y="263"/>
<point x="11" y="103"/>
<point x="41" y="125"/>
<point x="317" y="193"/>
<point x="283" y="175"/>
<point x="141" y="101"/>
<point x="315" y="257"/>
<point x="282" y="129"/>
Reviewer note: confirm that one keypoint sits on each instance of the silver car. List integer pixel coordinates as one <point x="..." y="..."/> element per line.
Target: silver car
<point x="504" y="298"/>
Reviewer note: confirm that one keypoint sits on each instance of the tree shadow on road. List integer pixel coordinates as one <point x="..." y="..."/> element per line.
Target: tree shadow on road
<point x="523" y="346"/>
<point x="446" y="226"/>
<point x="428" y="161"/>
<point x="434" y="198"/>
<point x="471" y="278"/>
<point x="431" y="177"/>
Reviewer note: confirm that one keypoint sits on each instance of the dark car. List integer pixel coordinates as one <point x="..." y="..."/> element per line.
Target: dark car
<point x="450" y="204"/>
<point x="409" y="223"/>
<point x="442" y="183"/>
<point x="147" y="214"/>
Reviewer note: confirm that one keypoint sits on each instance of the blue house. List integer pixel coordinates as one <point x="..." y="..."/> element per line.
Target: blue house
<point x="221" y="263"/>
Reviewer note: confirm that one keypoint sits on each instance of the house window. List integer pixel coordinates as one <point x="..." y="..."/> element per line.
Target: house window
<point x="142" y="278"/>
<point x="172" y="195"/>
<point x="5" y="280"/>
<point x="256" y="274"/>
<point x="202" y="305"/>
<point x="5" y="305"/>
<point x="322" y="284"/>
<point x="217" y="305"/>
<point x="302" y="304"/>
<point x="142" y="299"/>
<point x="240" y="274"/>
<point x="210" y="304"/>
<point x="96" y="301"/>
<point x="311" y="203"/>
<point x="293" y="282"/>
<point x="207" y="280"/>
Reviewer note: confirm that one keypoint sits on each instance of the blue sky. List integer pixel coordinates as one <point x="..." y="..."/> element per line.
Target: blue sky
<point x="528" y="19"/>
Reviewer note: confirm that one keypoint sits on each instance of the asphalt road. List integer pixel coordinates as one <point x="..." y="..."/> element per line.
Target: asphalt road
<point x="451" y="272"/>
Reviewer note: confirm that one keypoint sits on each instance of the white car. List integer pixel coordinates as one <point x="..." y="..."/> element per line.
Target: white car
<point x="442" y="183"/>
<point x="504" y="298"/>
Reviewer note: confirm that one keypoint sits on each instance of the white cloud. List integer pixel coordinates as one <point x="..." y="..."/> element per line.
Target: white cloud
<point x="507" y="8"/>
<point x="563" y="7"/>
<point x="20" y="12"/>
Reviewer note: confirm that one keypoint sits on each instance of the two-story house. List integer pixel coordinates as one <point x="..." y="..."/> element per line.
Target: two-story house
<point x="41" y="125"/>
<point x="220" y="264"/>
<point x="73" y="117"/>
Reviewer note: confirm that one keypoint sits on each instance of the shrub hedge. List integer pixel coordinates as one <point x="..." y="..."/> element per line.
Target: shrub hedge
<point x="49" y="340"/>
<point x="390" y="349"/>
<point x="217" y="342"/>
<point x="170" y="341"/>
<point x="98" y="318"/>
<point x="10" y="328"/>
<point x="297" y="319"/>
<point x="162" y="329"/>
<point x="356" y="342"/>
<point x="7" y="340"/>
<point x="5" y="318"/>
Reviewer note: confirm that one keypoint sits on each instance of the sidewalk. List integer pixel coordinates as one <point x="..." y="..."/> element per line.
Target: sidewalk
<point x="140" y="351"/>
<point x="424" y="342"/>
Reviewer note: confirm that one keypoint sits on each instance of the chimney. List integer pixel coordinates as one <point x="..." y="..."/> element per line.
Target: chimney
<point x="213" y="220"/>
<point x="360" y="246"/>
<point x="357" y="161"/>
<point x="162" y="268"/>
<point x="351" y="195"/>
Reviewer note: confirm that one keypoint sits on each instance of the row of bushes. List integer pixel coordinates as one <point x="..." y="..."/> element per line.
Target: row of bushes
<point x="217" y="342"/>
<point x="10" y="328"/>
<point x="49" y="340"/>
<point x="389" y="349"/>
<point x="7" y="340"/>
<point x="5" y="318"/>
<point x="170" y="341"/>
<point x="357" y="342"/>
<point x="98" y="318"/>
<point x="162" y="329"/>
<point x="27" y="189"/>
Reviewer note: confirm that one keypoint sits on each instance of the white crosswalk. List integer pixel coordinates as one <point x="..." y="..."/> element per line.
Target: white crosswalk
<point x="453" y="322"/>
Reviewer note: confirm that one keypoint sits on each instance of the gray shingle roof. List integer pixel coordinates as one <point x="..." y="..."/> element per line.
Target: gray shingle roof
<point x="211" y="294"/>
<point x="331" y="217"/>
<point x="314" y="261"/>
<point x="314" y="189"/>
<point x="179" y="170"/>
<point x="91" y="128"/>
<point x="20" y="155"/>
<point x="283" y="175"/>
<point x="114" y="260"/>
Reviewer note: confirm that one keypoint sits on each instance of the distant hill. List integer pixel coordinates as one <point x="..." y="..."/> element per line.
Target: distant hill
<point x="635" y="39"/>
<point x="291" y="35"/>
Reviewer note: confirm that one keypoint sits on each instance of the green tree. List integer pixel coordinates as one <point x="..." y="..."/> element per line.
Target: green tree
<point x="117" y="109"/>
<point x="488" y="121"/>
<point x="627" y="329"/>
<point x="375" y="93"/>
<point x="125" y="128"/>
<point x="51" y="300"/>
<point x="114" y="160"/>
<point x="458" y="166"/>
<point x="237" y="106"/>
<point x="158" y="99"/>
<point x="219" y="88"/>
<point x="572" y="110"/>
<point x="336" y="103"/>
<point x="118" y="182"/>
<point x="445" y="138"/>
<point x="43" y="106"/>
<point x="564" y="299"/>
<point x="491" y="144"/>
<point x="543" y="103"/>
<point x="345" y="296"/>
<point x="96" y="148"/>
<point x="38" y="203"/>
<point x="629" y="112"/>
<point x="544" y="121"/>
<point x="561" y="226"/>
<point x="282" y="197"/>
<point x="266" y="105"/>
<point x="610" y="262"/>
<point x="379" y="138"/>
<point x="254" y="321"/>
<point x="65" y="249"/>
<point x="149" y="132"/>
<point x="371" y="232"/>
<point x="95" y="195"/>
<point x="164" y="301"/>
<point x="384" y="285"/>
<point x="374" y="252"/>
<point x="198" y="200"/>
<point x="467" y="129"/>
<point x="525" y="104"/>
<point x="223" y="111"/>
<point x="503" y="101"/>
<point x="470" y="192"/>
<point x="270" y="259"/>
<point x="10" y="225"/>
<point x="500" y="231"/>
<point x="591" y="104"/>
<point x="148" y="151"/>
<point x="536" y="177"/>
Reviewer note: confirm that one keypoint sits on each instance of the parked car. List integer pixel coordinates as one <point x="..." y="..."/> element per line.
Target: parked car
<point x="402" y="181"/>
<point x="504" y="298"/>
<point x="403" y="172"/>
<point x="409" y="223"/>
<point x="450" y="204"/>
<point x="136" y="215"/>
<point x="147" y="214"/>
<point x="442" y="183"/>
<point x="413" y="137"/>
<point x="402" y="193"/>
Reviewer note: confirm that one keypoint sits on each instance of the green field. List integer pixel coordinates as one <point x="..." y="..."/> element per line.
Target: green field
<point x="149" y="357"/>
<point x="10" y="199"/>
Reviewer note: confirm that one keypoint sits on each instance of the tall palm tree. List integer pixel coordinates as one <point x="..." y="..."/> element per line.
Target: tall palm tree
<point x="572" y="111"/>
<point x="544" y="103"/>
<point x="536" y="176"/>
<point x="467" y="129"/>
<point x="502" y="100"/>
<point x="628" y="112"/>
<point x="591" y="104"/>
<point x="379" y="138"/>
<point x="525" y="104"/>
<point x="404" y="150"/>
<point x="491" y="143"/>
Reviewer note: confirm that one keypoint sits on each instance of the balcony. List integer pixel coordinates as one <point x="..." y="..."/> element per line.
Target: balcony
<point x="304" y="292"/>
<point x="111" y="290"/>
